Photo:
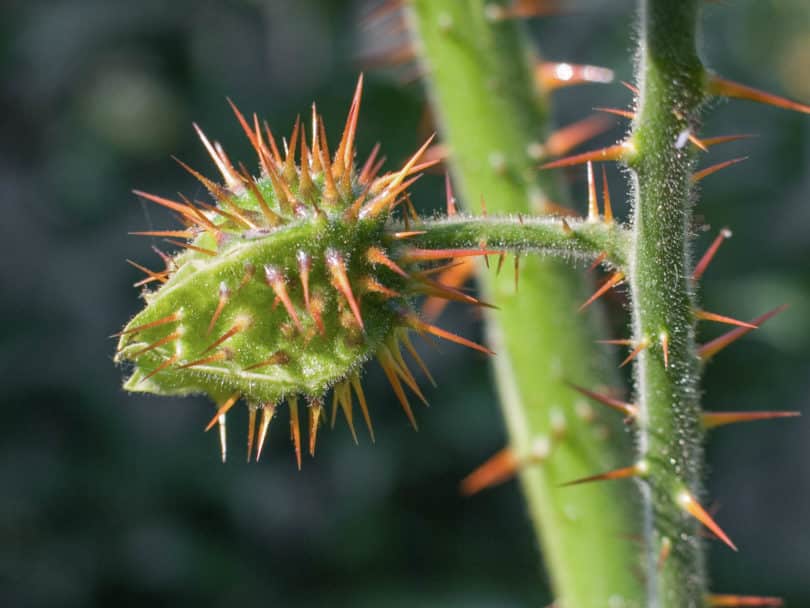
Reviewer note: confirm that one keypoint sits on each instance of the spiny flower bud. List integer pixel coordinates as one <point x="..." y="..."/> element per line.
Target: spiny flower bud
<point x="286" y="284"/>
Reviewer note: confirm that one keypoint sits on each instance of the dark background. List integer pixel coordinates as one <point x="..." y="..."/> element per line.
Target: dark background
<point x="115" y="499"/>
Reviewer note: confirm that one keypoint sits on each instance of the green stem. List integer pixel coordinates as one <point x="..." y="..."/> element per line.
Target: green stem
<point x="492" y="117"/>
<point x="670" y="434"/>
<point x="574" y="239"/>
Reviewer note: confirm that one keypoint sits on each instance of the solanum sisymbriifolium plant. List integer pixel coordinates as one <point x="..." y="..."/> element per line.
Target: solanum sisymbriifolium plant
<point x="312" y="261"/>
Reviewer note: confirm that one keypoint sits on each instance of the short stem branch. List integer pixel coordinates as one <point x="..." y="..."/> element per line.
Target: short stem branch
<point x="518" y="235"/>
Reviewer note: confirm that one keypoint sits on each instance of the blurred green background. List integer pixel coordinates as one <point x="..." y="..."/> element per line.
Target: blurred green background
<point x="116" y="499"/>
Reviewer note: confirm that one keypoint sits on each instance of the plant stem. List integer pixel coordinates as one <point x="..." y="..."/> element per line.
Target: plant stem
<point x="670" y="434"/>
<point x="491" y="113"/>
<point x="574" y="239"/>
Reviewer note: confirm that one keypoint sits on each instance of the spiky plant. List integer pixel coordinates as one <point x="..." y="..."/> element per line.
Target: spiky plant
<point x="287" y="284"/>
<point x="463" y="47"/>
<point x="290" y="281"/>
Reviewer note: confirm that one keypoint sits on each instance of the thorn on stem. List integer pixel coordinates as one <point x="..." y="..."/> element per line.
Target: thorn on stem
<point x="704" y="173"/>
<point x="704" y="262"/>
<point x="727" y="88"/>
<point x="567" y="138"/>
<point x="743" y="601"/>
<point x="611" y="153"/>
<point x="606" y="197"/>
<point x="708" y="350"/>
<point x="712" y="420"/>
<point x="636" y="470"/>
<point x="628" y="409"/>
<point x="615" y="279"/>
<point x="634" y="353"/>
<point x="691" y="506"/>
<point x="499" y="468"/>
<point x="704" y="315"/>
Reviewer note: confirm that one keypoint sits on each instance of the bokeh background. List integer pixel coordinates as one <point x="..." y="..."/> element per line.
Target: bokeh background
<point x="115" y="499"/>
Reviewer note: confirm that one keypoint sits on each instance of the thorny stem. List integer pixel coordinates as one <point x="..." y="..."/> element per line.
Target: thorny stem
<point x="670" y="436"/>
<point x="574" y="239"/>
<point x="491" y="116"/>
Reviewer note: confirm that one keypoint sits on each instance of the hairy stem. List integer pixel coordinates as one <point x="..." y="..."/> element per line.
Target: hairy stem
<point x="491" y="115"/>
<point x="573" y="239"/>
<point x="667" y="372"/>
